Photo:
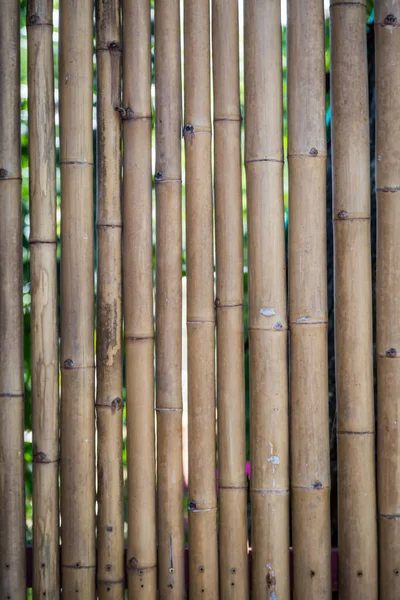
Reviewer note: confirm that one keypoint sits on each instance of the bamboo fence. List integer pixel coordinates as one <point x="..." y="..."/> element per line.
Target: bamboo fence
<point x="109" y="403"/>
<point x="12" y="489"/>
<point x="136" y="54"/>
<point x="387" y="38"/>
<point x="171" y="568"/>
<point x="310" y="470"/>
<point x="267" y="300"/>
<point x="353" y="302"/>
<point x="44" y="327"/>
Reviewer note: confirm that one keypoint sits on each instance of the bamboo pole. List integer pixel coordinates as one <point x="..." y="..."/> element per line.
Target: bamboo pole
<point x="12" y="490"/>
<point x="44" y="327"/>
<point x="77" y="356"/>
<point x="171" y="573"/>
<point x="109" y="403"/>
<point x="229" y="304"/>
<point x="387" y="45"/>
<point x="138" y="299"/>
<point x="267" y="300"/>
<point x="308" y="300"/>
<point x="353" y="298"/>
<point x="203" y="558"/>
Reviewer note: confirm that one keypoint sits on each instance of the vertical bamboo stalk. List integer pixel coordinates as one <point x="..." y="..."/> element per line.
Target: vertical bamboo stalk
<point x="12" y="505"/>
<point x="171" y="574"/>
<point x="353" y="298"/>
<point x="109" y="404"/>
<point x="44" y="328"/>
<point x="387" y="45"/>
<point x="229" y="303"/>
<point x="308" y="300"/>
<point x="267" y="299"/>
<point x="138" y="299"/>
<point x="203" y="558"/>
<point x="77" y="356"/>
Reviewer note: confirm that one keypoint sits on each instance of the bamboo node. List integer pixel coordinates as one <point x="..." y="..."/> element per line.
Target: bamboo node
<point x="116" y="405"/>
<point x="391" y="353"/>
<point x="158" y="176"/>
<point x="126" y="114"/>
<point x="33" y="19"/>
<point x="317" y="485"/>
<point x="3" y="173"/>
<point x="114" y="45"/>
<point x="278" y="326"/>
<point x="313" y="152"/>
<point x="192" y="505"/>
<point x="69" y="363"/>
<point x="390" y="19"/>
<point x="342" y="215"/>
<point x="40" y="457"/>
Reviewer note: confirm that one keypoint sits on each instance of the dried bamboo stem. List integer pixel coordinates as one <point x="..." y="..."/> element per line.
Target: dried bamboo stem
<point x="77" y="356"/>
<point x="203" y="559"/>
<point x="44" y="327"/>
<point x="229" y="303"/>
<point x="12" y="489"/>
<point x="308" y="300"/>
<point x="109" y="404"/>
<point x="353" y="298"/>
<point x="387" y="44"/>
<point x="138" y="300"/>
<point x="267" y="300"/>
<point x="171" y="574"/>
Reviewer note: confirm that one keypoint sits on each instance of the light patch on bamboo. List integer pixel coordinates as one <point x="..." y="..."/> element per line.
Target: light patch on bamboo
<point x="203" y="559"/>
<point x="232" y="486"/>
<point x="387" y="64"/>
<point x="310" y="474"/>
<point x="44" y="327"/>
<point x="12" y="487"/>
<point x="267" y="300"/>
<point x="109" y="403"/>
<point x="138" y="299"/>
<point x="358" y="576"/>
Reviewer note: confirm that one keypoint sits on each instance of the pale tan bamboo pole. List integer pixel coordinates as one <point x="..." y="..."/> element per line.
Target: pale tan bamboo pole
<point x="310" y="472"/>
<point x="171" y="573"/>
<point x="12" y="489"/>
<point x="269" y="444"/>
<point x="353" y="303"/>
<point x="44" y="327"/>
<point x="109" y="403"/>
<point x="387" y="63"/>
<point x="138" y="300"/>
<point x="77" y="352"/>
<point x="203" y="557"/>
<point x="234" y="579"/>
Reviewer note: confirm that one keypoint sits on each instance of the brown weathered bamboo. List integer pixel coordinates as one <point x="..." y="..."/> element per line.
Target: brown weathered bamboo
<point x="229" y="304"/>
<point x="109" y="403"/>
<point x="171" y="574"/>
<point x="44" y="327"/>
<point x="353" y="302"/>
<point x="77" y="353"/>
<point x="12" y="488"/>
<point x="267" y="299"/>
<point x="310" y="472"/>
<point x="203" y="559"/>
<point x="387" y="44"/>
<point x="138" y="299"/>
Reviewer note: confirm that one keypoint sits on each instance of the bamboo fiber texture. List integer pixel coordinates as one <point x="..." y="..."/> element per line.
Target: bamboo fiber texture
<point x="353" y="300"/>
<point x="12" y="505"/>
<point x="171" y="568"/>
<point x="44" y="327"/>
<point x="109" y="403"/>
<point x="387" y="40"/>
<point x="267" y="300"/>
<point x="138" y="300"/>
<point x="232" y="484"/>
<point x="310" y="473"/>
<point x="77" y="352"/>
<point x="203" y="559"/>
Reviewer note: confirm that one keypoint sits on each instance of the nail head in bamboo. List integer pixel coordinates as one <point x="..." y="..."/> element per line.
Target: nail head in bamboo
<point x="171" y="569"/>
<point x="267" y="299"/>
<point x="12" y="488"/>
<point x="387" y="42"/>
<point x="353" y="298"/>
<point x="308" y="300"/>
